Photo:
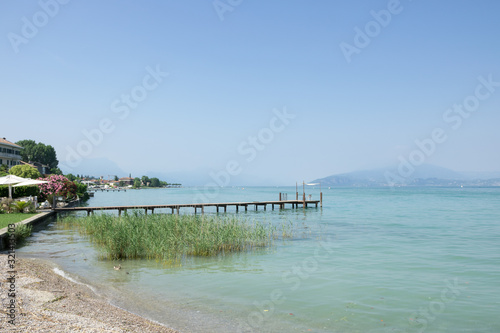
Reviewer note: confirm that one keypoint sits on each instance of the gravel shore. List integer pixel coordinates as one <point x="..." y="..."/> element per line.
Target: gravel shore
<point x="47" y="302"/>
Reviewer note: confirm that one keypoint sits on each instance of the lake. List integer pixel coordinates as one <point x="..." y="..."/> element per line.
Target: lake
<point x="370" y="260"/>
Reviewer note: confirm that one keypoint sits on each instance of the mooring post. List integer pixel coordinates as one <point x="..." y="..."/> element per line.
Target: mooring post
<point x="321" y="199"/>
<point x="280" y="196"/>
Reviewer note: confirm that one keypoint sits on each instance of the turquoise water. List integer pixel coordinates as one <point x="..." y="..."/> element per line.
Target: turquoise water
<point x="370" y="260"/>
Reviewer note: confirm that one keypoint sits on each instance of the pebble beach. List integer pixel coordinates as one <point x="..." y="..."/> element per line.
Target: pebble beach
<point x="47" y="302"/>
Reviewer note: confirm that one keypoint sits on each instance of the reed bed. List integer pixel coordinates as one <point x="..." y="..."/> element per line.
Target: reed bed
<point x="166" y="237"/>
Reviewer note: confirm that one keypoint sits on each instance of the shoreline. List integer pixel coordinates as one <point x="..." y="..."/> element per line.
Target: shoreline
<point x="47" y="302"/>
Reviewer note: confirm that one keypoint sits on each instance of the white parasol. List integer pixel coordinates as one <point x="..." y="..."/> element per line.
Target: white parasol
<point x="9" y="180"/>
<point x="29" y="182"/>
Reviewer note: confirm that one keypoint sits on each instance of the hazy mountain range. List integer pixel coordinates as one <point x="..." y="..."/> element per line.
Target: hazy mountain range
<point x="424" y="175"/>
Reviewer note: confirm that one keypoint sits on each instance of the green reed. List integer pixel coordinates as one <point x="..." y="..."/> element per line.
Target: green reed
<point x="166" y="237"/>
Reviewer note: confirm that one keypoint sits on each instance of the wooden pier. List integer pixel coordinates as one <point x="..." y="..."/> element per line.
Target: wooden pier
<point x="176" y="207"/>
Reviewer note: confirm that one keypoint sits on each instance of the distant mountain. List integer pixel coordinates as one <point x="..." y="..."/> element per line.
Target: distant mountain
<point x="424" y="175"/>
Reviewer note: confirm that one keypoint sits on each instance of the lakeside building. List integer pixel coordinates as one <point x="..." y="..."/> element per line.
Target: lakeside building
<point x="10" y="153"/>
<point x="42" y="168"/>
<point x="127" y="180"/>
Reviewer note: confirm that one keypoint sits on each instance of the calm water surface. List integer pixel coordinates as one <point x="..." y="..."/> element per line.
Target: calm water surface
<point x="371" y="260"/>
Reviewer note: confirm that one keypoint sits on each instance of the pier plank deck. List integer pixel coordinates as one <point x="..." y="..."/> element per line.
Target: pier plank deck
<point x="176" y="207"/>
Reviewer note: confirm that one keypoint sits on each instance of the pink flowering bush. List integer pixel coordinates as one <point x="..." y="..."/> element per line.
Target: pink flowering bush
<point x="57" y="185"/>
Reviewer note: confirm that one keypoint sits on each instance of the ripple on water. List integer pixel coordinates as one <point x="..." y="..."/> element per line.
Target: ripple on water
<point x="390" y="254"/>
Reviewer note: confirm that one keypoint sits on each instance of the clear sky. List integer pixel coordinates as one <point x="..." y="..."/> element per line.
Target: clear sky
<point x="255" y="92"/>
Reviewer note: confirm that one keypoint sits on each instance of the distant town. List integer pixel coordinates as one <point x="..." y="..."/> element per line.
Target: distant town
<point x="115" y="182"/>
<point x="32" y="159"/>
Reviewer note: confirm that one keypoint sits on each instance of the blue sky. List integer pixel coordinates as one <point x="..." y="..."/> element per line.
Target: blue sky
<point x="235" y="68"/>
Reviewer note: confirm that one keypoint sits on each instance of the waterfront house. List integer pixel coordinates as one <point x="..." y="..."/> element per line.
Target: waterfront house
<point x="127" y="180"/>
<point x="10" y="153"/>
<point x="42" y="168"/>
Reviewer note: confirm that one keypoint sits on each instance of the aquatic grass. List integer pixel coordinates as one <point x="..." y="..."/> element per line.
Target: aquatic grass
<point x="22" y="231"/>
<point x="164" y="237"/>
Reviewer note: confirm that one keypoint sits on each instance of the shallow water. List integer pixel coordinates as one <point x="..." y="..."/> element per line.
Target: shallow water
<point x="371" y="260"/>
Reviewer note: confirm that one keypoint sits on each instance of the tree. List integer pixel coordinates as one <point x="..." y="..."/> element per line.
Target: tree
<point x="145" y="180"/>
<point x="155" y="182"/>
<point x="56" y="171"/>
<point x="116" y="178"/>
<point x="38" y="152"/>
<point x="4" y="168"/>
<point x="71" y="177"/>
<point x="25" y="171"/>
<point x="137" y="182"/>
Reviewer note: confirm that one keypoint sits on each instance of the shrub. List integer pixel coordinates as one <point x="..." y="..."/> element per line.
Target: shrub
<point x="57" y="185"/>
<point x="20" y="206"/>
<point x="22" y="231"/>
<point x="6" y="203"/>
<point x="81" y="191"/>
<point x="21" y="191"/>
